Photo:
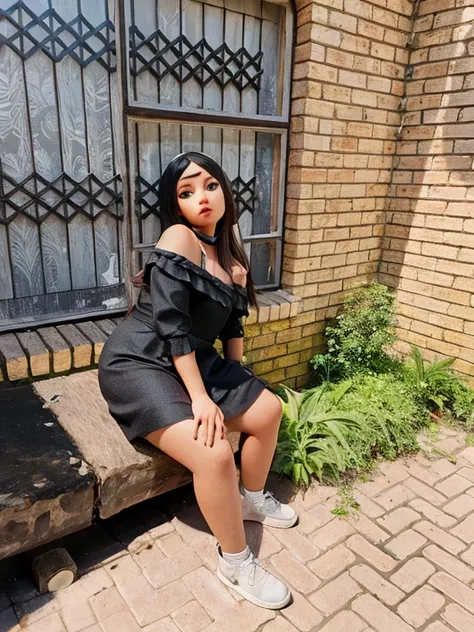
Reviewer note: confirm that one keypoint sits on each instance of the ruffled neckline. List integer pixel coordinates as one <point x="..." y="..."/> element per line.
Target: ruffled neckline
<point x="200" y="278"/>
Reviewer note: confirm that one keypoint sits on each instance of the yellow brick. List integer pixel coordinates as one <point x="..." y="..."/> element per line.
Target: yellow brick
<point x="297" y="369"/>
<point x="289" y="335"/>
<point x="262" y="367"/>
<point x="300" y="345"/>
<point x="314" y="328"/>
<point x="278" y="325"/>
<point x="288" y="360"/>
<point x="252" y="330"/>
<point x="263" y="341"/>
<point x="274" y="376"/>
<point x="274" y="351"/>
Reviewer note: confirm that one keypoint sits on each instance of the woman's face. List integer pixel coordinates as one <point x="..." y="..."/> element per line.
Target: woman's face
<point x="200" y="198"/>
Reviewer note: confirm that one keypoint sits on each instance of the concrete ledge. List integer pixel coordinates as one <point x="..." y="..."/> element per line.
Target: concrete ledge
<point x="49" y="351"/>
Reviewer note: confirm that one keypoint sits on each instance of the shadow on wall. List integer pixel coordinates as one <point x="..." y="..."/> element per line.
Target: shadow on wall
<point x="428" y="247"/>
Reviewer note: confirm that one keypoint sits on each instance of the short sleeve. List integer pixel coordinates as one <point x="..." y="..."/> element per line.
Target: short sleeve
<point x="170" y="302"/>
<point x="233" y="327"/>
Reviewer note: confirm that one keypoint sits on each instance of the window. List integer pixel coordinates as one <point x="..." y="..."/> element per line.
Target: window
<point x="211" y="76"/>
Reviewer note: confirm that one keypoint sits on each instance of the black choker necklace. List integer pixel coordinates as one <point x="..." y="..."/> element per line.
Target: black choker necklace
<point x="208" y="239"/>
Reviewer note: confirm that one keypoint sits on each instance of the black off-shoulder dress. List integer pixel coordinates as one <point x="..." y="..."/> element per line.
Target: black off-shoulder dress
<point x="185" y="309"/>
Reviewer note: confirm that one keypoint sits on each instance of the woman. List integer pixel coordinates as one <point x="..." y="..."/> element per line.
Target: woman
<point x="164" y="381"/>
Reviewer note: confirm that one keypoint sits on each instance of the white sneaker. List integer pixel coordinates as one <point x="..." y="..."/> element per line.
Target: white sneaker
<point x="251" y="580"/>
<point x="270" y="512"/>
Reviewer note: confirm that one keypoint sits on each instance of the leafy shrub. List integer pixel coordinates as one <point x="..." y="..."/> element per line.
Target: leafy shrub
<point x="313" y="435"/>
<point x="358" y="337"/>
<point x="330" y="429"/>
<point x="439" y="388"/>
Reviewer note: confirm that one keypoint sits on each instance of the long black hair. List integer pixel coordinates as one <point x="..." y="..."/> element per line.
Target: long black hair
<point x="229" y="249"/>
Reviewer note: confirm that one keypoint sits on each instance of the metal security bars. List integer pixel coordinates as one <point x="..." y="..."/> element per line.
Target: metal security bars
<point x="211" y="75"/>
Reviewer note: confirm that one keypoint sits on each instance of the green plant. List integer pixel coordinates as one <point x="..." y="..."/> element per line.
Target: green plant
<point x="313" y="435"/>
<point x="359" y="336"/>
<point x="440" y="388"/>
<point x="393" y="415"/>
<point x="347" y="501"/>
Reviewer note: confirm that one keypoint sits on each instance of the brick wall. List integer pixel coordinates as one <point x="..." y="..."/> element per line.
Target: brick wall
<point x="428" y="252"/>
<point x="348" y="80"/>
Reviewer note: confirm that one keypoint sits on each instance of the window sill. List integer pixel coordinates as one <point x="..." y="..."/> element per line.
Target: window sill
<point x="275" y="305"/>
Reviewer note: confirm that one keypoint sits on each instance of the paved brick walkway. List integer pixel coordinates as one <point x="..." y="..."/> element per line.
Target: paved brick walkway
<point x="404" y="561"/>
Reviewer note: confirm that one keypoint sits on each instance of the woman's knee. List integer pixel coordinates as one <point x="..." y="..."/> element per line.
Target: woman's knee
<point x="217" y="460"/>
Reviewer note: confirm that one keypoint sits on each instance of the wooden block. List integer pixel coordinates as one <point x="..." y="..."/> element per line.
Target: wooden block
<point x="81" y="347"/>
<point x="60" y="350"/>
<point x="118" y="320"/>
<point x="15" y="360"/>
<point x="126" y="473"/>
<point x="36" y="352"/>
<point x="95" y="335"/>
<point x="106" y="325"/>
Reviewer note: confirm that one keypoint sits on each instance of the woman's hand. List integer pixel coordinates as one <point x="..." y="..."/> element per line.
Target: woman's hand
<point x="208" y="419"/>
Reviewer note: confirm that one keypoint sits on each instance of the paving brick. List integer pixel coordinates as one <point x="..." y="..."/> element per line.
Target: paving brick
<point x="423" y="491"/>
<point x="437" y="627"/>
<point x="191" y="525"/>
<point x="335" y="595"/>
<point x="302" y="614"/>
<point x="467" y="472"/>
<point x="405" y="544"/>
<point x="316" y="517"/>
<point x="148" y="555"/>
<point x="209" y="591"/>
<point x="242" y="617"/>
<point x="123" y="621"/>
<point x="344" y="621"/>
<point x="163" y="625"/>
<point x="191" y="617"/>
<point x="459" y="618"/>
<point x="333" y="562"/>
<point x="440" y="537"/>
<point x="331" y="534"/>
<point x="368" y="506"/>
<point x="76" y="611"/>
<point x="460" y="506"/>
<point x="380" y="617"/>
<point x="454" y="589"/>
<point x="398" y="495"/>
<point x="453" y="486"/>
<point x="422" y="473"/>
<point x="279" y="624"/>
<point x="413" y="573"/>
<point x="94" y="582"/>
<point x="399" y="519"/>
<point x="465" y="529"/>
<point x="421" y="606"/>
<point x="298" y="545"/>
<point x="366" y="527"/>
<point x="171" y="544"/>
<point x="161" y="530"/>
<point x="172" y="568"/>
<point x="151" y="608"/>
<point x="261" y="542"/>
<point x="295" y="572"/>
<point x="372" y="554"/>
<point x="51" y="623"/>
<point x="376" y="585"/>
<point x="466" y="457"/>
<point x="433" y="514"/>
<point x="382" y="481"/>
<point x="107" y="603"/>
<point x="468" y="555"/>
<point x="37" y="608"/>
<point x="443" y="467"/>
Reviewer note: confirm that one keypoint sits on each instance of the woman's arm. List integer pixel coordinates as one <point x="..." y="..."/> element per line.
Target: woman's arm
<point x="234" y="349"/>
<point x="188" y="370"/>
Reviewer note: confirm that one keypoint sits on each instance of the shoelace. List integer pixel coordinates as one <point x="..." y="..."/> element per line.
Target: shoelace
<point x="270" y="504"/>
<point x="250" y="567"/>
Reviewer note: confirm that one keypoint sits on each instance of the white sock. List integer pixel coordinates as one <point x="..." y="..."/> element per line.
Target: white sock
<point x="236" y="558"/>
<point x="253" y="497"/>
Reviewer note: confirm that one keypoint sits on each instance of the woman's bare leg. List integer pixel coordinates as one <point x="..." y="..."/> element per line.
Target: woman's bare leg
<point x="260" y="424"/>
<point x="215" y="480"/>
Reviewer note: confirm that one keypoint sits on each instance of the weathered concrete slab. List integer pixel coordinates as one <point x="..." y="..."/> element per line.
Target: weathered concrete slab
<point x="126" y="473"/>
<point x="44" y="491"/>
